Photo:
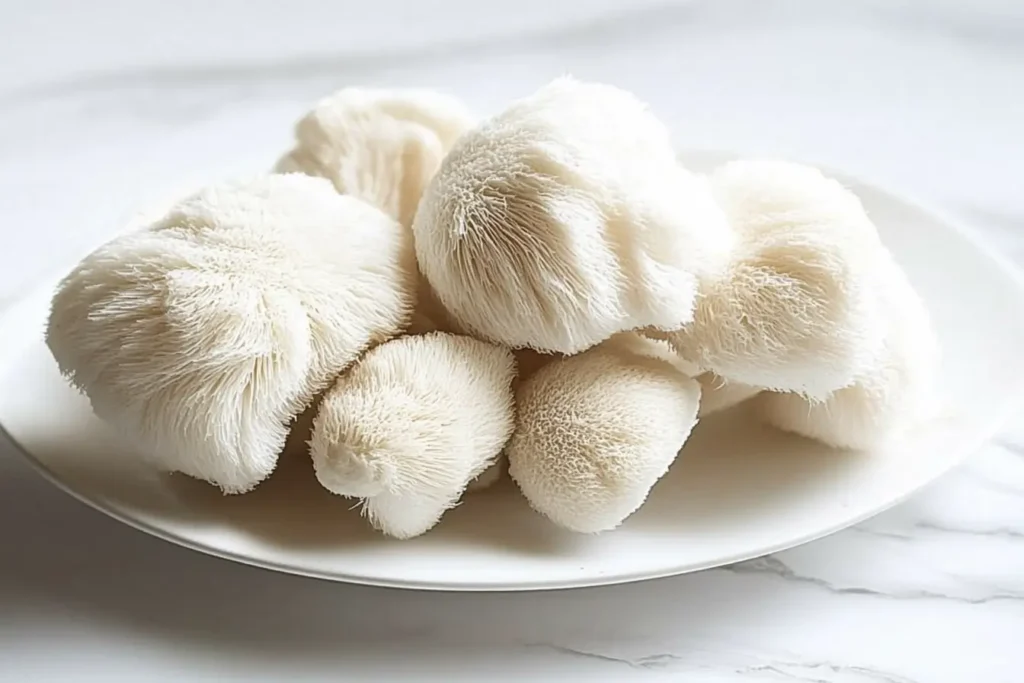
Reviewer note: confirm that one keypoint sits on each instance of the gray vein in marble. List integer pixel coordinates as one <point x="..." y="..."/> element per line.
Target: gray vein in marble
<point x="809" y="672"/>
<point x="805" y="672"/>
<point x="995" y="532"/>
<point x="995" y="31"/>
<point x="654" y="661"/>
<point x="632" y="25"/>
<point x="596" y="31"/>
<point x="775" y="566"/>
<point x="1005" y="442"/>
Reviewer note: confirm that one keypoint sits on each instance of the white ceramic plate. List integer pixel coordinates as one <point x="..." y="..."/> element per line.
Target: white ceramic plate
<point x="736" y="492"/>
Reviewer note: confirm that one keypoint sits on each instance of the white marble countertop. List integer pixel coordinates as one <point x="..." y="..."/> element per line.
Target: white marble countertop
<point x="106" y="105"/>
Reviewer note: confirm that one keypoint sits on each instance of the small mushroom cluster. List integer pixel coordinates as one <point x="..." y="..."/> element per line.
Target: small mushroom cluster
<point x="547" y="291"/>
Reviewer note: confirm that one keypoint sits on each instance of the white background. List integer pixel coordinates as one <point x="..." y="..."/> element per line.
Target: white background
<point x="107" y="105"/>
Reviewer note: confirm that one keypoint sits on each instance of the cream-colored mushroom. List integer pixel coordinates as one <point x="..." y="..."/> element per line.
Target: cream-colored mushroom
<point x="412" y="424"/>
<point x="596" y="431"/>
<point x="380" y="145"/>
<point x="793" y="309"/>
<point x="566" y="219"/>
<point x="201" y="336"/>
<point x="894" y="393"/>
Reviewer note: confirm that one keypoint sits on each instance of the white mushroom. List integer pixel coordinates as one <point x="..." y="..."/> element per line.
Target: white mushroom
<point x="412" y="424"/>
<point x="893" y="394"/>
<point x="793" y="309"/>
<point x="595" y="432"/>
<point x="201" y="336"/>
<point x="380" y="145"/>
<point x="566" y="219"/>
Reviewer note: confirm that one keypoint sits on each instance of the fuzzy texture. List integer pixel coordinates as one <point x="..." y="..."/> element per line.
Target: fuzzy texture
<point x="717" y="395"/>
<point x="566" y="219"/>
<point x="201" y="336"/>
<point x="794" y="309"/>
<point x="382" y="146"/>
<point x="410" y="425"/>
<point x="596" y="431"/>
<point x="895" y="393"/>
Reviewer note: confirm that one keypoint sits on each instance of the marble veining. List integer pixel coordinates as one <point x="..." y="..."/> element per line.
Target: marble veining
<point x="775" y="566"/>
<point x="106" y="105"/>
